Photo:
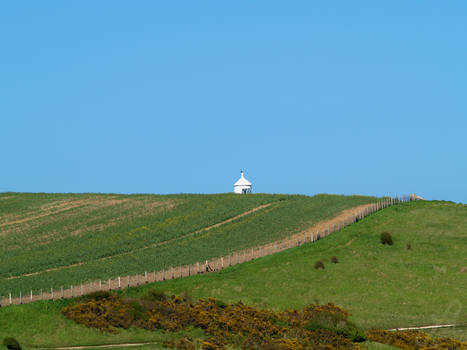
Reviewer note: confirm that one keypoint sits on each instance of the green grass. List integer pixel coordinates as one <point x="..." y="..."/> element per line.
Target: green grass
<point x="452" y="332"/>
<point x="112" y="235"/>
<point x="41" y="324"/>
<point x="369" y="345"/>
<point x="382" y="286"/>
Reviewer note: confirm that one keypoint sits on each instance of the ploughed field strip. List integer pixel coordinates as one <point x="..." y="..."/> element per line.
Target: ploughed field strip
<point x="54" y="240"/>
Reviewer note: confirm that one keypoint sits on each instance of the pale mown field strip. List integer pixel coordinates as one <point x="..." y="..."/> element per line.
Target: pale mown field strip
<point x="311" y="234"/>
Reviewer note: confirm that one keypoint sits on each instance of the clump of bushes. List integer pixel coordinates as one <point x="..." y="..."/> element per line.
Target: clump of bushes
<point x="410" y="340"/>
<point x="317" y="327"/>
<point x="11" y="343"/>
<point x="386" y="238"/>
<point x="319" y="265"/>
<point x="334" y="260"/>
<point x="99" y="295"/>
<point x="155" y="295"/>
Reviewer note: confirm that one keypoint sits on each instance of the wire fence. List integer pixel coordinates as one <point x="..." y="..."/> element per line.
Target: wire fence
<point x="205" y="266"/>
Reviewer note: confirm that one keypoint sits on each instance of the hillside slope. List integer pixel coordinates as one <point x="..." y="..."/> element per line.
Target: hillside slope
<point x="54" y="240"/>
<point x="382" y="286"/>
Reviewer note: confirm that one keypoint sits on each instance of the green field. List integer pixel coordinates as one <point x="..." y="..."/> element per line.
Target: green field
<point x="382" y="286"/>
<point x="54" y="240"/>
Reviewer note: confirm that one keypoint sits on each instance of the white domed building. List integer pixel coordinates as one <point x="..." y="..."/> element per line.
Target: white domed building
<point x="242" y="186"/>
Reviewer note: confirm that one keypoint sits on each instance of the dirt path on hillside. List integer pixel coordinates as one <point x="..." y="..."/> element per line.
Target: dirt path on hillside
<point x="204" y="229"/>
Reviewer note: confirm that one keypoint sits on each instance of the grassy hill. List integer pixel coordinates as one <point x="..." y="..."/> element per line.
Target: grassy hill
<point x="382" y="286"/>
<point x="54" y="240"/>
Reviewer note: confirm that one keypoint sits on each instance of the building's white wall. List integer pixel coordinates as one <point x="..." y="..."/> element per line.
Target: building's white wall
<point x="239" y="189"/>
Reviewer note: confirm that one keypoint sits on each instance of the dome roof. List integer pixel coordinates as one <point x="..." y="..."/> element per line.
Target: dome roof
<point x="242" y="181"/>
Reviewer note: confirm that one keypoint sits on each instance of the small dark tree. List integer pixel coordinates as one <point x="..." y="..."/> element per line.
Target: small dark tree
<point x="11" y="343"/>
<point x="334" y="260"/>
<point x="409" y="246"/>
<point x="319" y="265"/>
<point x="386" y="238"/>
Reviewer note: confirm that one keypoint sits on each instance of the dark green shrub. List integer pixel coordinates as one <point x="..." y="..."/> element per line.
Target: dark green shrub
<point x="155" y="295"/>
<point x="355" y="333"/>
<point x="221" y="304"/>
<point x="334" y="260"/>
<point x="11" y="343"/>
<point x="99" y="295"/>
<point x="386" y="238"/>
<point x="409" y="246"/>
<point x="136" y="311"/>
<point x="319" y="265"/>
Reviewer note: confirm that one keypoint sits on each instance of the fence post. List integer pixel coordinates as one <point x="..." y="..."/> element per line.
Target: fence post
<point x="110" y="288"/>
<point x="31" y="296"/>
<point x="20" y="298"/>
<point x="52" y="293"/>
<point x="100" y="284"/>
<point x="146" y="276"/>
<point x="81" y="289"/>
<point x="119" y="282"/>
<point x="128" y="281"/>
<point x="10" y="298"/>
<point x="61" y="288"/>
<point x="71" y="288"/>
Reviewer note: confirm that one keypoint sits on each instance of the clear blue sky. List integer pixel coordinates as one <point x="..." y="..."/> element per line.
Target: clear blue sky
<point x="365" y="97"/>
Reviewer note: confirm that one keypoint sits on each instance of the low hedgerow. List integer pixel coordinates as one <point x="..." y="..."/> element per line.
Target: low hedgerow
<point x="236" y="325"/>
